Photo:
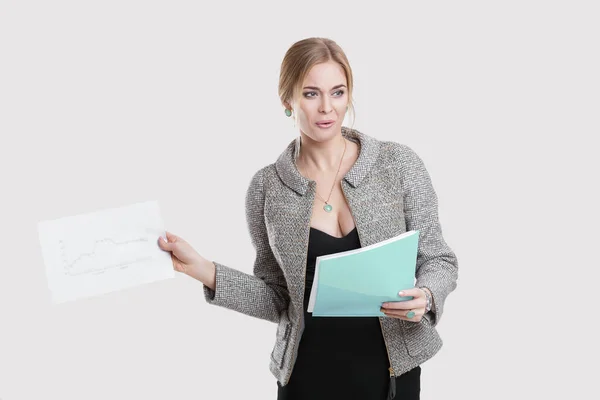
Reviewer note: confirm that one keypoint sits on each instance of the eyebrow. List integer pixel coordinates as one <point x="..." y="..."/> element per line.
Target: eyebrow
<point x="316" y="88"/>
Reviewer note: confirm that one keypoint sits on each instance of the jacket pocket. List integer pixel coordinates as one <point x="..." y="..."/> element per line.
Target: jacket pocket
<point x="282" y="341"/>
<point x="419" y="336"/>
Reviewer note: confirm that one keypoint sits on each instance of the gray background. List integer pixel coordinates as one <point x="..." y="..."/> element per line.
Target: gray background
<point x="104" y="104"/>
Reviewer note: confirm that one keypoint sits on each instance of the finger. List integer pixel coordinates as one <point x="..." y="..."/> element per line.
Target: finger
<point x="181" y="268"/>
<point x="414" y="292"/>
<point x="402" y="314"/>
<point x="405" y="305"/>
<point x="164" y="245"/>
<point x="171" y="237"/>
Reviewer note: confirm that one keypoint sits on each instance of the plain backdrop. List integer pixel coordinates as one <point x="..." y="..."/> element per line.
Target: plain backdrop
<point x="109" y="103"/>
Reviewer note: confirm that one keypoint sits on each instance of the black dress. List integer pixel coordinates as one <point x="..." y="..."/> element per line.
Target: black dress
<point x="342" y="357"/>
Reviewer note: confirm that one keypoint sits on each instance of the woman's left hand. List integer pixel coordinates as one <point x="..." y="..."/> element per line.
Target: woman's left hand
<point x="400" y="309"/>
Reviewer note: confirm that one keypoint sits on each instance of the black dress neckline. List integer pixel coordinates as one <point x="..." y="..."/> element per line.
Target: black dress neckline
<point x="331" y="236"/>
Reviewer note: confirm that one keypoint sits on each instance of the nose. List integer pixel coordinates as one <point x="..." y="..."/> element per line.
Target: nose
<point x="325" y="106"/>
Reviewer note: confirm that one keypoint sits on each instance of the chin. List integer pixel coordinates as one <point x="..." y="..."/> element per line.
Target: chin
<point x="318" y="136"/>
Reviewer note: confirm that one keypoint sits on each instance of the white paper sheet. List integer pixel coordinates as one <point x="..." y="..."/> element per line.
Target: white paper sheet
<point x="104" y="251"/>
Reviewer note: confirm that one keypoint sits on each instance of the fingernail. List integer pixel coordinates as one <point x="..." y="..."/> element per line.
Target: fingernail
<point x="401" y="293"/>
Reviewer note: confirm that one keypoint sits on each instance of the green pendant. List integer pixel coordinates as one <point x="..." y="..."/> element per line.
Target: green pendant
<point x="327" y="208"/>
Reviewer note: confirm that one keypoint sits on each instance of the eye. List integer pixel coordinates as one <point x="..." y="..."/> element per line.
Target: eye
<point x="307" y="94"/>
<point x="341" y="92"/>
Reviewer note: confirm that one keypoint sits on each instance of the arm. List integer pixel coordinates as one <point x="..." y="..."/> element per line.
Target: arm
<point x="437" y="265"/>
<point x="262" y="295"/>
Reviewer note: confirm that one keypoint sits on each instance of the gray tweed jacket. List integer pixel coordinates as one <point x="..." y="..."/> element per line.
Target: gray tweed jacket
<point x="389" y="191"/>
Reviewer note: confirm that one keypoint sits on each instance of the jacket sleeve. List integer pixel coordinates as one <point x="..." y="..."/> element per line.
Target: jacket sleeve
<point x="264" y="294"/>
<point x="437" y="265"/>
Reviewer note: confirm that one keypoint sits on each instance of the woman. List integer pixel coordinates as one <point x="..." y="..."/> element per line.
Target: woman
<point x="333" y="189"/>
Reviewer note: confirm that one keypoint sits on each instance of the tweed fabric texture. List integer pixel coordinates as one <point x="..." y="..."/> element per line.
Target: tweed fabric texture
<point x="389" y="191"/>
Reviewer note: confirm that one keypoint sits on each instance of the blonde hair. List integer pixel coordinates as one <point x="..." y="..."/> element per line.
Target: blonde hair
<point x="301" y="57"/>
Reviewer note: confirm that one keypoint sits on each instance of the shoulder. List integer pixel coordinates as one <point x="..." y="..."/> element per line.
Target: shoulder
<point x="258" y="179"/>
<point x="396" y="151"/>
<point x="402" y="163"/>
<point x="401" y="156"/>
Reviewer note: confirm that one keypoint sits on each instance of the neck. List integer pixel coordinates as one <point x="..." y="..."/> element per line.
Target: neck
<point x="322" y="156"/>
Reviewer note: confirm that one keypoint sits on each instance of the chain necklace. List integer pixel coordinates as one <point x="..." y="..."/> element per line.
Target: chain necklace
<point x="328" y="207"/>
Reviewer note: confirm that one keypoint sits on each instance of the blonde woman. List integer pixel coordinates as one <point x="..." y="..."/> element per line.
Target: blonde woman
<point x="333" y="189"/>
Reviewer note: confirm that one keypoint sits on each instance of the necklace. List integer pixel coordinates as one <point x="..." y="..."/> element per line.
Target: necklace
<point x="328" y="207"/>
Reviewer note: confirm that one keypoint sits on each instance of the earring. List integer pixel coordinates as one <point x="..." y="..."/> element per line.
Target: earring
<point x="288" y="112"/>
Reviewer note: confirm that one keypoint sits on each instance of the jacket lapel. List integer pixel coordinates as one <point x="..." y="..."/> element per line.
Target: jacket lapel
<point x="291" y="177"/>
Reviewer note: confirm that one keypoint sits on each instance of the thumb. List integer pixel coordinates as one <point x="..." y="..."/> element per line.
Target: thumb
<point x="162" y="243"/>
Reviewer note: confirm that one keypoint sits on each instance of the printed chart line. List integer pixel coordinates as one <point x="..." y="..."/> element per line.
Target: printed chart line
<point x="71" y="269"/>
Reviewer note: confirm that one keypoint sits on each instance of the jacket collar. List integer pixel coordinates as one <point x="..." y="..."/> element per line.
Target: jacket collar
<point x="291" y="177"/>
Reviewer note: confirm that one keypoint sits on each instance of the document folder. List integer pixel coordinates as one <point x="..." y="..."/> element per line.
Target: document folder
<point x="357" y="282"/>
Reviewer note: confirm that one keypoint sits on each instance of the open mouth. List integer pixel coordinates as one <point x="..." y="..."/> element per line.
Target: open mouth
<point x="324" y="124"/>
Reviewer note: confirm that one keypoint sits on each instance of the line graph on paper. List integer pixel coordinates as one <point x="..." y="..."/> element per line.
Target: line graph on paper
<point x="102" y="256"/>
<point x="104" y="251"/>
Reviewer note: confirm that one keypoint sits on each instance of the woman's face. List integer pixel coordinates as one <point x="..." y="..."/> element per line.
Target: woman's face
<point x="324" y="97"/>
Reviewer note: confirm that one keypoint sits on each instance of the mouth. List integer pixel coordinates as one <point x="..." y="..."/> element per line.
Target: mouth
<point x="325" y="124"/>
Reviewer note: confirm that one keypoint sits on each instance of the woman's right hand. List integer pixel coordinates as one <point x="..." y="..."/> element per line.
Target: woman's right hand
<point x="185" y="258"/>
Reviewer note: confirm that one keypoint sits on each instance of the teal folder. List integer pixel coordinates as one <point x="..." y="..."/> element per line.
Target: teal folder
<point x="356" y="282"/>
